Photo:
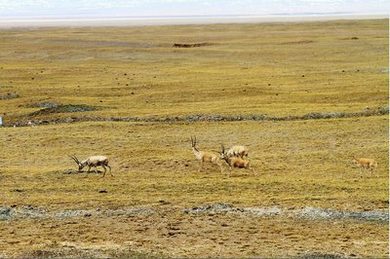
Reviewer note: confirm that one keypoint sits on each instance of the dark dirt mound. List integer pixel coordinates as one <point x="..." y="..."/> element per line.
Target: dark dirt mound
<point x="9" y="96"/>
<point x="64" y="108"/>
<point x="376" y="111"/>
<point x="5" y="213"/>
<point x="189" y="45"/>
<point x="72" y="250"/>
<point x="70" y="171"/>
<point x="351" y="38"/>
<point x="27" y="211"/>
<point x="320" y="256"/>
<point x="46" y="104"/>
<point x="74" y="171"/>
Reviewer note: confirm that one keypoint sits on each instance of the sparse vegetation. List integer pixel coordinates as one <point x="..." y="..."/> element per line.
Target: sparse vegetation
<point x="305" y="98"/>
<point x="63" y="108"/>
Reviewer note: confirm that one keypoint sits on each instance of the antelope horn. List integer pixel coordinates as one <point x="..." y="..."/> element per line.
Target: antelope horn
<point x="194" y="143"/>
<point x="75" y="159"/>
<point x="193" y="140"/>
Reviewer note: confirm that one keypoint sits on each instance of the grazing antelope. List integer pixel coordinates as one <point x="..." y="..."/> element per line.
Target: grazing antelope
<point x="234" y="161"/>
<point x="93" y="161"/>
<point x="365" y="163"/>
<point x="204" y="156"/>
<point x="238" y="151"/>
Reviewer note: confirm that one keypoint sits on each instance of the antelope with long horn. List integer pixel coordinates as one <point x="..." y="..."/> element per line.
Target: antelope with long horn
<point x="93" y="161"/>
<point x="205" y="156"/>
<point x="234" y="161"/>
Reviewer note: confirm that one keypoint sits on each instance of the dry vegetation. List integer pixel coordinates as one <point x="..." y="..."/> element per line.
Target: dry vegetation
<point x="94" y="76"/>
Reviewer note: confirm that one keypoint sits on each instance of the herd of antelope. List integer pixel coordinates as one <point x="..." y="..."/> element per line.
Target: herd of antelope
<point x="234" y="157"/>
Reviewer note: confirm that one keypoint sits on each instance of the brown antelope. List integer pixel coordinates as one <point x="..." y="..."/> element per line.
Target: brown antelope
<point x="205" y="156"/>
<point x="234" y="161"/>
<point x="93" y="161"/>
<point x="239" y="151"/>
<point x="365" y="163"/>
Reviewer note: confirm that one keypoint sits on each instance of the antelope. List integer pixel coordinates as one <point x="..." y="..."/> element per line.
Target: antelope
<point x="365" y="163"/>
<point x="205" y="156"/>
<point x="93" y="161"/>
<point x="238" y="151"/>
<point x="234" y="161"/>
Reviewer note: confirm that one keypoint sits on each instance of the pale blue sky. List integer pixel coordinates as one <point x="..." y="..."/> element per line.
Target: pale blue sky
<point x="86" y="8"/>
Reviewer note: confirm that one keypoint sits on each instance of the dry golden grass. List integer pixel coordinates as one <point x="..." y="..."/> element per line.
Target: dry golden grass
<point x="179" y="235"/>
<point x="136" y="71"/>
<point x="248" y="69"/>
<point x="298" y="163"/>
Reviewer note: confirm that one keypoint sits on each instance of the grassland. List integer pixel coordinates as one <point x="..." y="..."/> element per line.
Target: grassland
<point x="277" y="69"/>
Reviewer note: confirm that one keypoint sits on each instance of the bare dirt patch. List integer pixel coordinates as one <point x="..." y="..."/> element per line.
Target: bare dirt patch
<point x="32" y="212"/>
<point x="210" y="230"/>
<point x="319" y="213"/>
<point x="306" y="212"/>
<point x="309" y="213"/>
<point x="44" y="105"/>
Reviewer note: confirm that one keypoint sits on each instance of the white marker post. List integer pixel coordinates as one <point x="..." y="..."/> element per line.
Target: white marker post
<point x="1" y="121"/>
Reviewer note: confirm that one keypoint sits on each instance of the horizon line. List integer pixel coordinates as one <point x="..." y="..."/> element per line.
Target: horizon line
<point x="5" y="17"/>
<point x="123" y="21"/>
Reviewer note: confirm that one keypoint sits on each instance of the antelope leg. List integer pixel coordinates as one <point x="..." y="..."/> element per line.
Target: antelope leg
<point x="201" y="165"/>
<point x="109" y="167"/>
<point x="105" y="169"/>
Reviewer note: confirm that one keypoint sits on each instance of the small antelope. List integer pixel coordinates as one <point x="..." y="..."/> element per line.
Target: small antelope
<point x="365" y="163"/>
<point x="238" y="151"/>
<point x="204" y="156"/>
<point x="234" y="161"/>
<point x="93" y="161"/>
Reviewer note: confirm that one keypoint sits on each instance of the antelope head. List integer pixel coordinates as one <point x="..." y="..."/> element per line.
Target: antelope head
<point x="223" y="153"/>
<point x="354" y="160"/>
<point x="193" y="144"/>
<point x="77" y="162"/>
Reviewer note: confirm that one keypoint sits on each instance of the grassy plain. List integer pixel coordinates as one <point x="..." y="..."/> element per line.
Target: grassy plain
<point x="278" y="69"/>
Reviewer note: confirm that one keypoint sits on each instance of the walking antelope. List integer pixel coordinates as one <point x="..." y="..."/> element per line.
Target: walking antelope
<point x="93" y="161"/>
<point x="204" y="156"/>
<point x="365" y="163"/>
<point x="234" y="161"/>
